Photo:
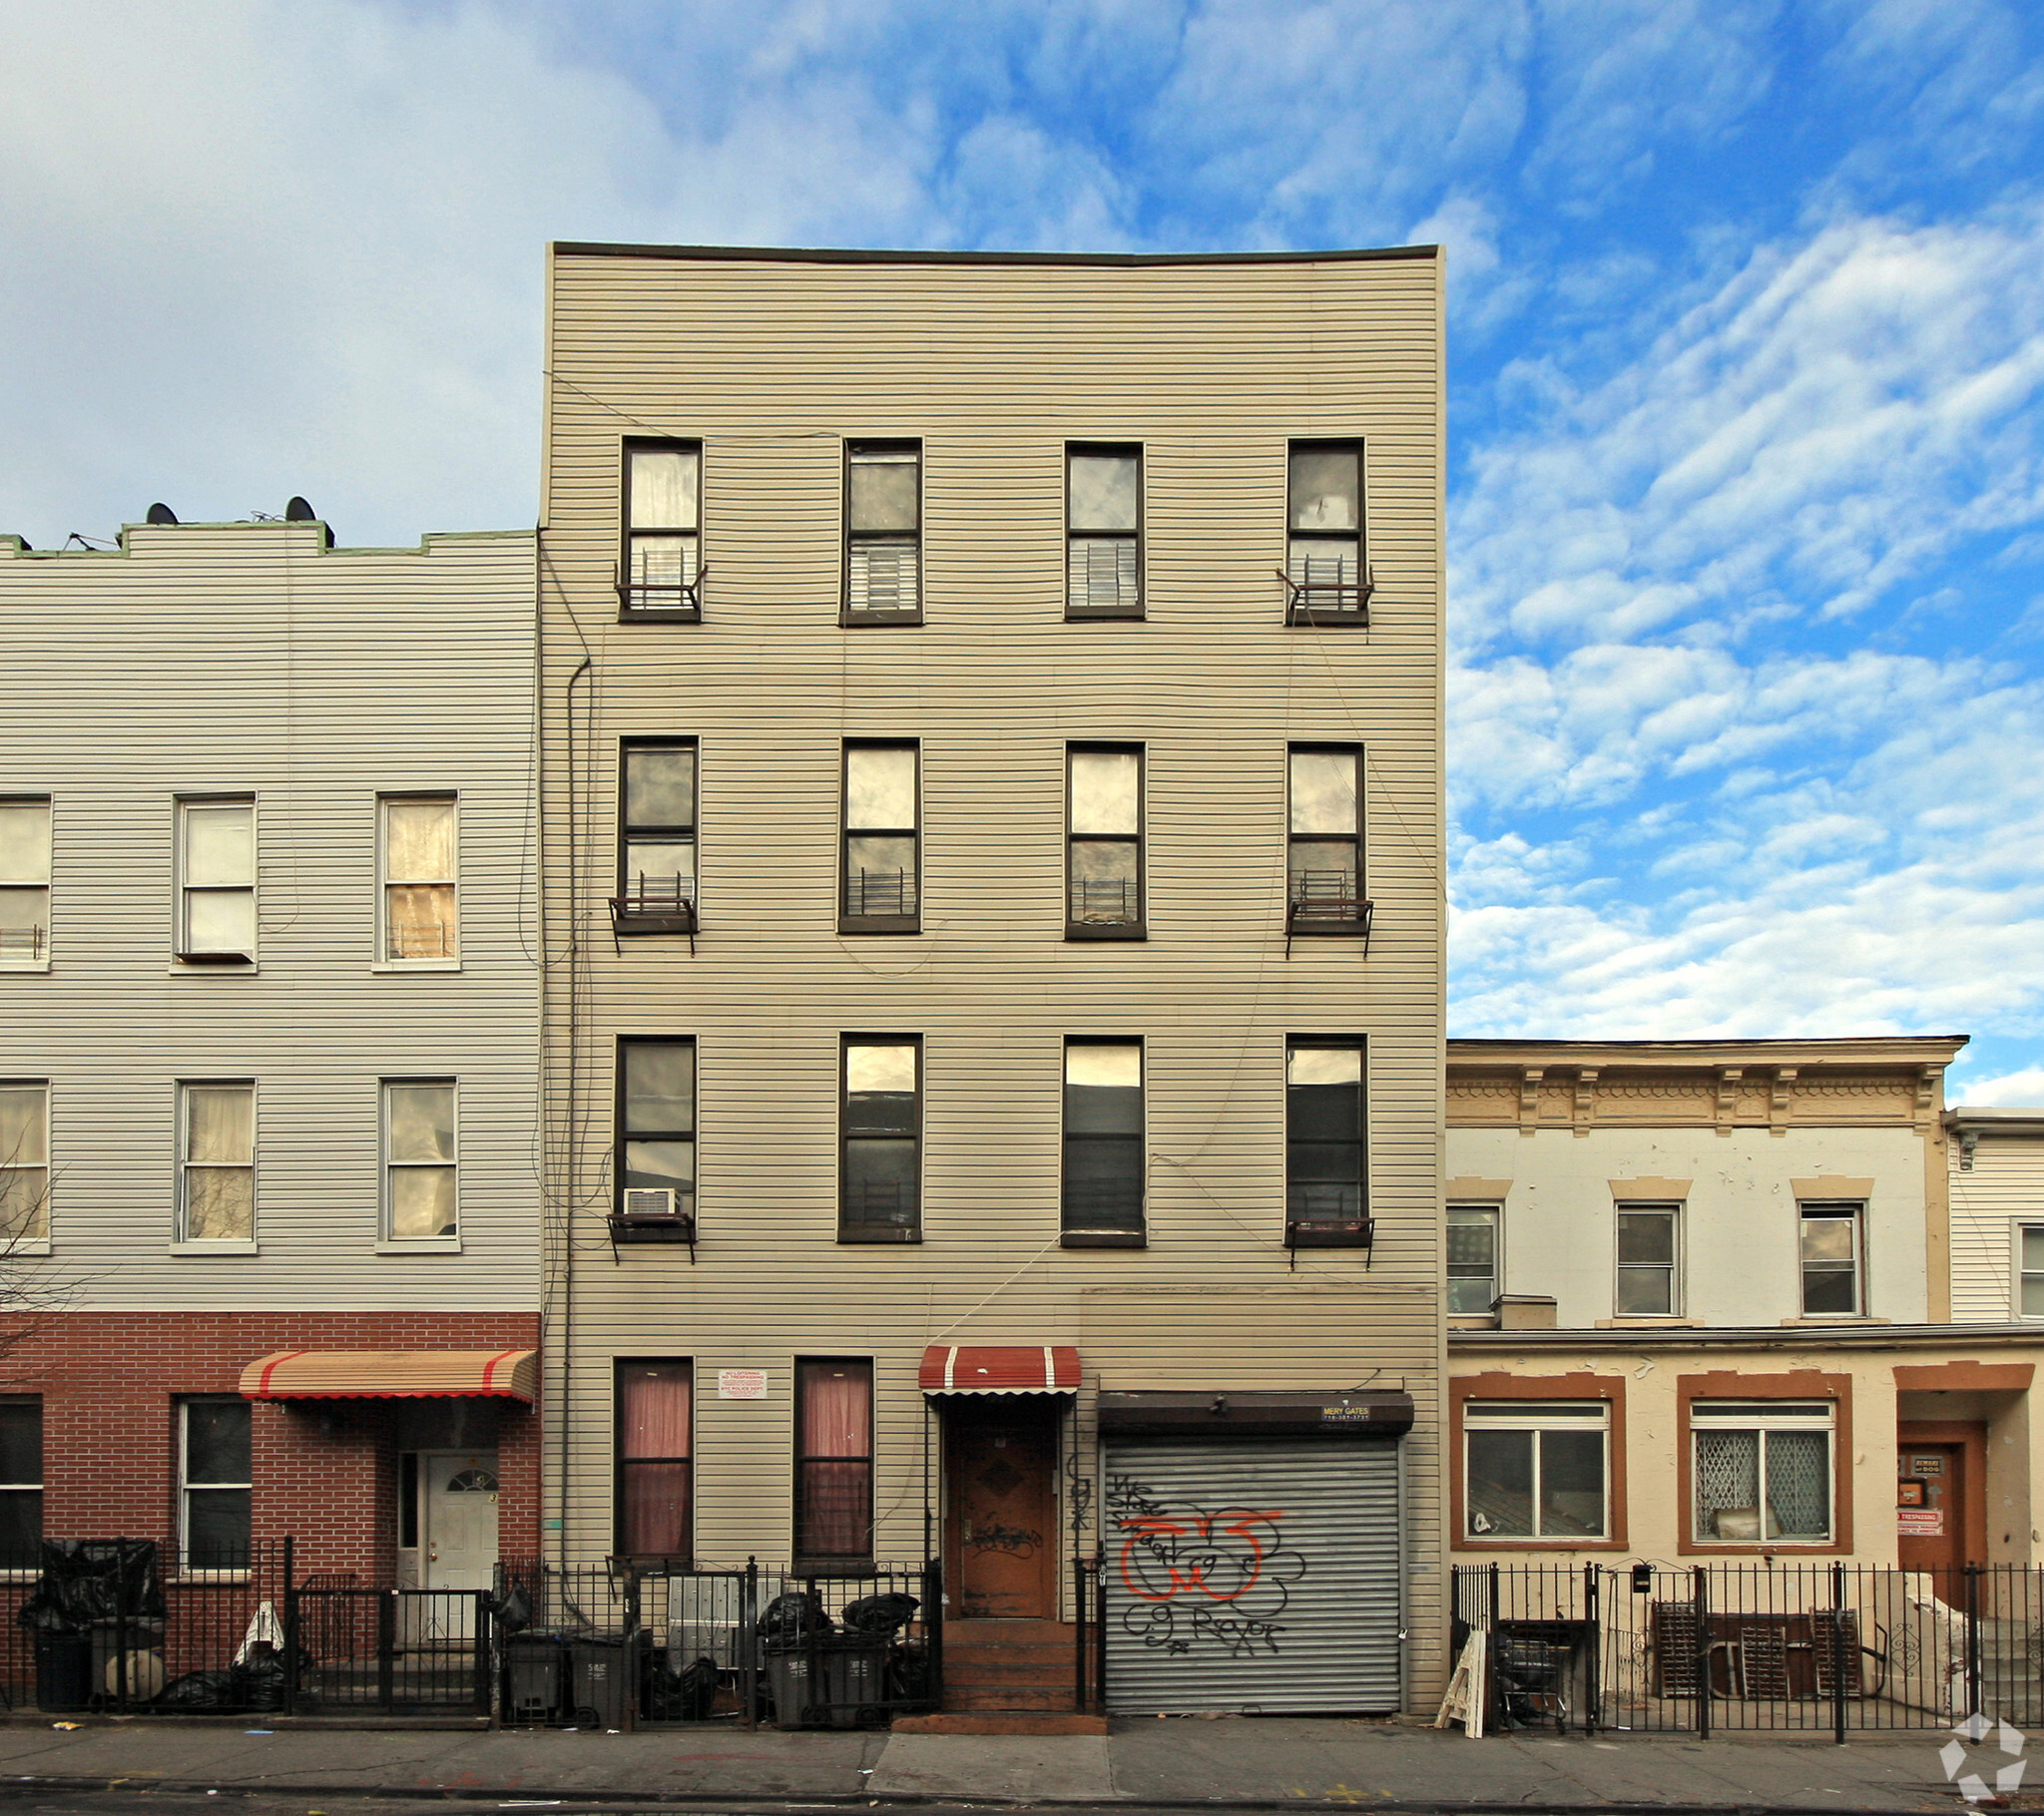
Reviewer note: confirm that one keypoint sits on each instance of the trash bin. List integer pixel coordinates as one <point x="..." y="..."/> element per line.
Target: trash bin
<point x="535" y="1676"/>
<point x="601" y="1681"/>
<point x="63" y="1672"/>
<point x="143" y="1664"/>
<point x="848" y="1689"/>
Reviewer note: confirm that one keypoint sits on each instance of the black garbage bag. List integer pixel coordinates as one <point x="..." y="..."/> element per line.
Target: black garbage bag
<point x="88" y="1579"/>
<point x="794" y="1617"/>
<point x="907" y="1676"/>
<point x="696" y="1687"/>
<point x="880" y="1614"/>
<point x="513" y="1608"/>
<point x="198" y="1693"/>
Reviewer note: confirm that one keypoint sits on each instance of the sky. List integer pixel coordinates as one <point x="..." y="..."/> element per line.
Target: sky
<point x="1746" y="347"/>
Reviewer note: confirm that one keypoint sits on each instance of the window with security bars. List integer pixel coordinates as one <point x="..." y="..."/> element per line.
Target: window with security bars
<point x="24" y="1160"/>
<point x="1323" y="852"/>
<point x="653" y="1176"/>
<point x="21" y="1481"/>
<point x="1762" y="1471"/>
<point x="655" y="1459"/>
<point x="881" y="1145"/>
<point x="1830" y="1235"/>
<point x="883" y="531"/>
<point x="1473" y="1282"/>
<point x="215" y="1484"/>
<point x="1326" y="568"/>
<point x="216" y="881"/>
<point x="662" y="569"/>
<point x="656" y="837"/>
<point x="418" y="852"/>
<point x="1327" y="1187"/>
<point x="1103" y="1178"/>
<point x="1103" y="531"/>
<point x="1104" y="841"/>
<point x="2030" y="1271"/>
<point x="834" y="1464"/>
<point x="24" y="882"/>
<point x="880" y="873"/>
<point x="1646" y="1286"/>
<point x="1535" y="1469"/>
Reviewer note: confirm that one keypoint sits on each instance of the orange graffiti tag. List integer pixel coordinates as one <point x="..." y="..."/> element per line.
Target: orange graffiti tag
<point x="1148" y="1531"/>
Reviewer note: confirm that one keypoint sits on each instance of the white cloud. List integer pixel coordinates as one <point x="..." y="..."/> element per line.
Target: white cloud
<point x="2010" y="1090"/>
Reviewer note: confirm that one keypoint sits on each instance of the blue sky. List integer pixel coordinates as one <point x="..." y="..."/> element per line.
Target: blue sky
<point x="1746" y="353"/>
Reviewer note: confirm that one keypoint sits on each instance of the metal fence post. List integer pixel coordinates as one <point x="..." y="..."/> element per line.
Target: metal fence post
<point x="1973" y="1639"/>
<point x="1838" y="1652"/>
<point x="749" y="1639"/>
<point x="386" y="1649"/>
<point x="290" y="1626"/>
<point x="1702" y="1580"/>
<point x="1593" y="1594"/>
<point x="1079" y="1595"/>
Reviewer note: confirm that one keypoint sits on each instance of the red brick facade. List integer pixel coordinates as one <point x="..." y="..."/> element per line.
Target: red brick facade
<point x="325" y="1472"/>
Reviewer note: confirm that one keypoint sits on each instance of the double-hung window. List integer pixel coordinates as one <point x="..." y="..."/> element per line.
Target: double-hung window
<point x="881" y="1164"/>
<point x="21" y="1483"/>
<point x="1327" y="1181"/>
<point x="1325" y="564"/>
<point x="216" y="882"/>
<point x="1104" y="842"/>
<point x="1324" y="856"/>
<point x="2030" y="1271"/>
<point x="883" y="533"/>
<point x="1535" y="1469"/>
<point x="418" y="854"/>
<point x="1104" y="1144"/>
<point x="215" y="1484"/>
<point x="24" y="1161"/>
<point x="656" y="837"/>
<point x="662" y="569"/>
<point x="1647" y="1285"/>
<point x="833" y="1463"/>
<point x="1103" y="531"/>
<point x="1472" y="1257"/>
<point x="654" y="1454"/>
<point x="420" y="1197"/>
<point x="880" y="872"/>
<point x="24" y="882"/>
<point x="1829" y="1234"/>
<point x="655" y="1171"/>
<point x="1763" y="1470"/>
<point x="216" y="1162"/>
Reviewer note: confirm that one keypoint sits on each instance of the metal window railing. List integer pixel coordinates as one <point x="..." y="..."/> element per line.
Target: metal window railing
<point x="881" y="892"/>
<point x="1104" y="904"/>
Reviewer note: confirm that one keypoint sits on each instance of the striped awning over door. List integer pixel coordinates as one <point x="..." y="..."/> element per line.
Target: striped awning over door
<point x="392" y="1374"/>
<point x="1036" y="1368"/>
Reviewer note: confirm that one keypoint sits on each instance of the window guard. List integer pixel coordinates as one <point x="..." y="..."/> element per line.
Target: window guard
<point x="1329" y="602"/>
<point x="1328" y="1217"/>
<point x="654" y="908"/>
<point x="669" y="601"/>
<point x="881" y="894"/>
<point x="1328" y="901"/>
<point x="879" y="1214"/>
<point x="18" y="941"/>
<point x="677" y="1225"/>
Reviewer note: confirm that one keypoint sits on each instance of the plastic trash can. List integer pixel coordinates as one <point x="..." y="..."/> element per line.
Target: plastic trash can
<point x="602" y="1680"/>
<point x="535" y="1676"/>
<point x="63" y="1672"/>
<point x="848" y="1689"/>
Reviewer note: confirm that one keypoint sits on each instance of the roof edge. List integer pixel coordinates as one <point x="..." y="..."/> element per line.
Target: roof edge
<point x="782" y="255"/>
<point x="1847" y="1049"/>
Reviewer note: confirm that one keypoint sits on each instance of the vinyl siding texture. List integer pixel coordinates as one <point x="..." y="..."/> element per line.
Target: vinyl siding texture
<point x="2004" y="1187"/>
<point x="771" y="363"/>
<point x="250" y="658"/>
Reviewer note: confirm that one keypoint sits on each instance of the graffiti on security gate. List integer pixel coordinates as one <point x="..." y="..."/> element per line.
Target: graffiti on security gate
<point x="1200" y="1579"/>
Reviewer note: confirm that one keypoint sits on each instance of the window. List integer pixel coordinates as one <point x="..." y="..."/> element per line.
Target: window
<point x="1323" y="858"/>
<point x="2030" y="1271"/>
<point x="1645" y="1262"/>
<point x="883" y="533"/>
<point x="663" y="568"/>
<point x="1324" y="554"/>
<point x="881" y="891"/>
<point x="1831" y="1259"/>
<point x="217" y="1158"/>
<point x="24" y="882"/>
<point x="656" y="1170"/>
<point x="1327" y="1182"/>
<point x="655" y="1480"/>
<point x="880" y="1168"/>
<point x="1535" y="1469"/>
<point x="656" y="838"/>
<point x="833" y="1461"/>
<point x="216" y="882"/>
<point x="215" y="1478"/>
<point x="1472" y="1257"/>
<point x="21" y="1483"/>
<point x="420" y="1203"/>
<point x="1762" y="1470"/>
<point x="1103" y="531"/>
<point x="24" y="1160"/>
<point x="1104" y="820"/>
<point x="1103" y="1172"/>
<point x="418" y="849"/>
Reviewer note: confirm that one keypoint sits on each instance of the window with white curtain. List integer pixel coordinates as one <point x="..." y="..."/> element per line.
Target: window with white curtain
<point x="24" y="882"/>
<point x="217" y="1161"/>
<point x="418" y="854"/>
<point x="662" y="562"/>
<point x="216" y="881"/>
<point x="420" y="1194"/>
<point x="24" y="1160"/>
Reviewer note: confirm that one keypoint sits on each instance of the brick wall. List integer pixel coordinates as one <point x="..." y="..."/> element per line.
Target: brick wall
<point x="324" y="1471"/>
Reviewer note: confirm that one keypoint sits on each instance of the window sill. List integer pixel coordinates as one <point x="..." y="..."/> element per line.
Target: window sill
<point x="196" y="1578"/>
<point x="1312" y="1235"/>
<point x="1650" y="1320"/>
<point x="214" y="1248"/>
<point x="1329" y="930"/>
<point x="1121" y="614"/>
<point x="1498" y="1542"/>
<point x="877" y="1233"/>
<point x="1832" y="1317"/>
<point x="879" y="923"/>
<point x="1104" y="1239"/>
<point x="225" y="961"/>
<point x="1106" y="929"/>
<point x="24" y="964"/>
<point x="660" y="614"/>
<point x="181" y="967"/>
<point x="29" y="1245"/>
<point x="424" y="1245"/>
<point x="850" y="619"/>
<point x="398" y="966"/>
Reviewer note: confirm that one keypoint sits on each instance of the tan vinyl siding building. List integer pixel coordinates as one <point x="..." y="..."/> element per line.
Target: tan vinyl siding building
<point x="778" y="367"/>
<point x="1998" y="1213"/>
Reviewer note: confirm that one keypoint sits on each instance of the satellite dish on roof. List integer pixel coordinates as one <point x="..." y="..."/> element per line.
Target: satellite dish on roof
<point x="162" y="514"/>
<point x="299" y="512"/>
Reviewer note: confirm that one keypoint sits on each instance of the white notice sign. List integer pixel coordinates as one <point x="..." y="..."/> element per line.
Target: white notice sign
<point x="742" y="1384"/>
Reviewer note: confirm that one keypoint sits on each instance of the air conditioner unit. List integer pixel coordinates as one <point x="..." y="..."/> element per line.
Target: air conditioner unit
<point x="645" y="1201"/>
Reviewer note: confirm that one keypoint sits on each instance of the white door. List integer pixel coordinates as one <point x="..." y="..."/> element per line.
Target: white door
<point x="458" y="1525"/>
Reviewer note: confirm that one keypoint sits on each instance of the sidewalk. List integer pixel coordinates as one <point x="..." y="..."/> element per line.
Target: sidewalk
<point x="1237" y="1761"/>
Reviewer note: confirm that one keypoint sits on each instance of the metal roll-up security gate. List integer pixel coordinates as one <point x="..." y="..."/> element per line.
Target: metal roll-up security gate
<point x="1252" y="1574"/>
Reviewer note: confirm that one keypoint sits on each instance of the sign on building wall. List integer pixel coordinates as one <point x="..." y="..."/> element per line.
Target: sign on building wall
<point x="742" y="1384"/>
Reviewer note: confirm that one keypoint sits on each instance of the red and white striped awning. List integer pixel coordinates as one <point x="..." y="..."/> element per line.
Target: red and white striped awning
<point x="1048" y="1368"/>
<point x="387" y="1373"/>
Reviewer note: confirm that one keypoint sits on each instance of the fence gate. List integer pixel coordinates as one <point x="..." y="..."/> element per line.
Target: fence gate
<point x="390" y="1649"/>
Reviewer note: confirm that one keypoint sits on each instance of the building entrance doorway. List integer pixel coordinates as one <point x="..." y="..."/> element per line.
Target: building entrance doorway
<point x="1000" y="1524"/>
<point x="1939" y="1510"/>
<point x="458" y="1520"/>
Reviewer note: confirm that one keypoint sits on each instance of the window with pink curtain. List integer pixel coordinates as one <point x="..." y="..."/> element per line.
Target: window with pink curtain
<point x="653" y="1458"/>
<point x="834" y="1459"/>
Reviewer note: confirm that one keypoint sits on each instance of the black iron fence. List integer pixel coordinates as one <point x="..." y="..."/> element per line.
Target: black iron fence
<point x="624" y="1644"/>
<point x="1814" y="1647"/>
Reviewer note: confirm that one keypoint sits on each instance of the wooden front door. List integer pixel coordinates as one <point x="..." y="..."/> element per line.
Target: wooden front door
<point x="1001" y="1522"/>
<point x="1933" y="1510"/>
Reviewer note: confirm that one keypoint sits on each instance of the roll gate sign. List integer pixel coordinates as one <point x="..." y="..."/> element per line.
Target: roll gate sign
<point x="1253" y="1574"/>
